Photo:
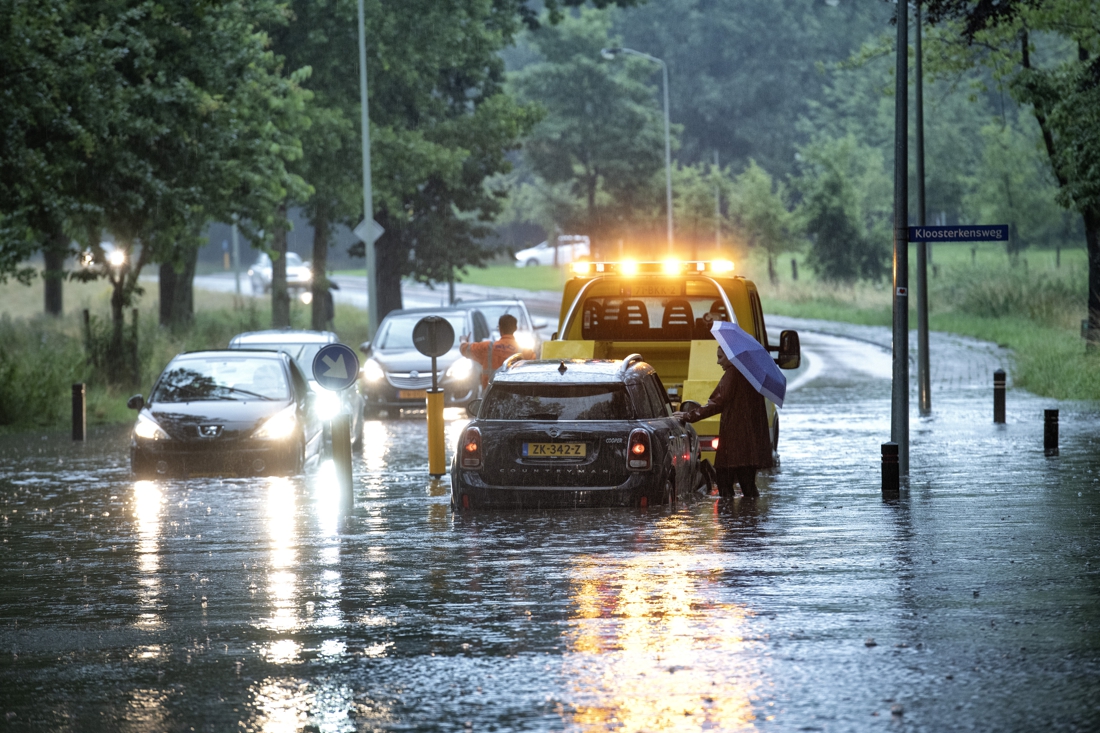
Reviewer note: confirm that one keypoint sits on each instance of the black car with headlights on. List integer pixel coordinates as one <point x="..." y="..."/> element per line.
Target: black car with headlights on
<point x="574" y="433"/>
<point x="226" y="412"/>
<point x="395" y="376"/>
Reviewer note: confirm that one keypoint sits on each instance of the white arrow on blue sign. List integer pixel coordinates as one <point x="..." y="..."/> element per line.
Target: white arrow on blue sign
<point x="335" y="367"/>
<point x="978" y="233"/>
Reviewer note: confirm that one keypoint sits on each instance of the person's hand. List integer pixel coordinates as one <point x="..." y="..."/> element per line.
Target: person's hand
<point x="680" y="416"/>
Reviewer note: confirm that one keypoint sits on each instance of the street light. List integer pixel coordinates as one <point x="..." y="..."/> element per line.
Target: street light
<point x="611" y="53"/>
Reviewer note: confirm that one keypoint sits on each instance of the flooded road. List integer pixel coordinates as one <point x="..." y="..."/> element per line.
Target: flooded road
<point x="971" y="603"/>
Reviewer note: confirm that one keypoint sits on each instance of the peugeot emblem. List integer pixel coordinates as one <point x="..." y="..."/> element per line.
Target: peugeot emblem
<point x="210" y="431"/>
<point x="414" y="374"/>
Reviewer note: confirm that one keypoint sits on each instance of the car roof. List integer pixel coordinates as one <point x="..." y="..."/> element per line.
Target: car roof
<point x="587" y="371"/>
<point x="490" y="301"/>
<point x="284" y="336"/>
<point x="429" y="311"/>
<point x="232" y="353"/>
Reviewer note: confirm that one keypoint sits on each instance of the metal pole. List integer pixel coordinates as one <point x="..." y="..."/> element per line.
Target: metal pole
<point x="717" y="208"/>
<point x="899" y="401"/>
<point x="923" y="374"/>
<point x="80" y="420"/>
<point x="668" y="159"/>
<point x="236" y="256"/>
<point x="368" y="199"/>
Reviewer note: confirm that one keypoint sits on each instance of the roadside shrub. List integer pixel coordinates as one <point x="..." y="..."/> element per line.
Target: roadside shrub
<point x="1006" y="292"/>
<point x="39" y="363"/>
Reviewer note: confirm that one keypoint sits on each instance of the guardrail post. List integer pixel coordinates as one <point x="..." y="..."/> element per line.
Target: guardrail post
<point x="999" y="396"/>
<point x="891" y="475"/>
<point x="79" y="412"/>
<point x="1050" y="432"/>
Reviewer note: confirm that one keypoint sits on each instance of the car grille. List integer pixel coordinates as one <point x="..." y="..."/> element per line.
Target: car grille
<point x="404" y="381"/>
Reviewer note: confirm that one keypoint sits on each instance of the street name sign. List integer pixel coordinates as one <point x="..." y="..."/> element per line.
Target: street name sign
<point x="335" y="367"/>
<point x="977" y="233"/>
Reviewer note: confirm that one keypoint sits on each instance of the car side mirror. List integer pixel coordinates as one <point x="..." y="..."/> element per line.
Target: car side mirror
<point x="536" y="325"/>
<point x="790" y="352"/>
<point x="136" y="402"/>
<point x="473" y="407"/>
<point x="365" y="347"/>
<point x="689" y="405"/>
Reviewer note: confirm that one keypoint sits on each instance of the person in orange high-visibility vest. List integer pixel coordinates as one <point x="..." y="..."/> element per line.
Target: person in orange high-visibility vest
<point x="491" y="354"/>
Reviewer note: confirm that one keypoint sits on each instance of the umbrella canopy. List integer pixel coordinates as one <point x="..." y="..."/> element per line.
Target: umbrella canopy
<point x="751" y="359"/>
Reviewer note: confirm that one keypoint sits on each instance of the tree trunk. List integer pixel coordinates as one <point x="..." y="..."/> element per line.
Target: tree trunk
<point x="319" y="284"/>
<point x="116" y="357"/>
<point x="390" y="258"/>
<point x="177" y="294"/>
<point x="772" y="275"/>
<point x="1092" y="239"/>
<point x="280" y="299"/>
<point x="53" y="254"/>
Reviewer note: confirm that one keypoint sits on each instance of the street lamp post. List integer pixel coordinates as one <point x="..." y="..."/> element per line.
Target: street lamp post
<point x="610" y="53"/>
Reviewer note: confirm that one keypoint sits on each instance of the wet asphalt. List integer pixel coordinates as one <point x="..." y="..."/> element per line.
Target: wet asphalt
<point x="970" y="602"/>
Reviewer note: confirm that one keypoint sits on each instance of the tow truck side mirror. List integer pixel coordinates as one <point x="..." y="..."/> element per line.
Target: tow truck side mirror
<point x="136" y="402"/>
<point x="790" y="351"/>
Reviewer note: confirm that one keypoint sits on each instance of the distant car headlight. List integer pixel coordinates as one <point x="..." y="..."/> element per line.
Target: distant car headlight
<point x="525" y="340"/>
<point x="280" y="425"/>
<point x="372" y="371"/>
<point x="326" y="404"/>
<point x="147" y="429"/>
<point x="461" y="369"/>
<point x="306" y="297"/>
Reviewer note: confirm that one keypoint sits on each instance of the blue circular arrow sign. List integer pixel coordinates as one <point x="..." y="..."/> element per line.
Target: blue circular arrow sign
<point x="335" y="367"/>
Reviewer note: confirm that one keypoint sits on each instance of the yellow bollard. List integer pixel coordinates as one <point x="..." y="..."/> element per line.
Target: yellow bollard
<point x="437" y="449"/>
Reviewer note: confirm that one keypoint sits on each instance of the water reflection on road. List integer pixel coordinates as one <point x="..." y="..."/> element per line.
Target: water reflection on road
<point x="256" y="604"/>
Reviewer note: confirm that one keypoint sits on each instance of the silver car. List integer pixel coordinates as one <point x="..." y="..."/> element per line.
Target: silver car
<point x="302" y="347"/>
<point x="299" y="274"/>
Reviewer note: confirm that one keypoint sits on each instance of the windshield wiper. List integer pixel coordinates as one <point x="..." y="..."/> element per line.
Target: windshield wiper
<point x="250" y="394"/>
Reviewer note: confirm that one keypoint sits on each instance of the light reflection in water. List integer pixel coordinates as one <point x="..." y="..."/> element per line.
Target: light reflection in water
<point x="282" y="514"/>
<point x="288" y="706"/>
<point x="145" y="711"/>
<point x="148" y="500"/>
<point x="651" y="648"/>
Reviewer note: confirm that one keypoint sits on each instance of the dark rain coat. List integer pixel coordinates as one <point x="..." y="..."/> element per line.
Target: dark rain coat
<point x="744" y="439"/>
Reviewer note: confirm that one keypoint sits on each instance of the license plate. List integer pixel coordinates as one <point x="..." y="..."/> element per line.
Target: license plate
<point x="554" y="450"/>
<point x="658" y="289"/>
<point x="412" y="394"/>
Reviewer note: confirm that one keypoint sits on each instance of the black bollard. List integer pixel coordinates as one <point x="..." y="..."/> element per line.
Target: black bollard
<point x="999" y="396"/>
<point x="341" y="456"/>
<point x="79" y="412"/>
<point x="1050" y="432"/>
<point x="891" y="475"/>
<point x="794" y="269"/>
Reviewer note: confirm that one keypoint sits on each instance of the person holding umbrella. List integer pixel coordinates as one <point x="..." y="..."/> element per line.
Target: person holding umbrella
<point x="744" y="441"/>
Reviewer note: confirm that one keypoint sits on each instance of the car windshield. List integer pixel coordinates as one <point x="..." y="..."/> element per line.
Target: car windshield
<point x="397" y="332"/>
<point x="230" y="378"/>
<point x="556" y="402"/>
<point x="302" y="354"/>
<point x="494" y="312"/>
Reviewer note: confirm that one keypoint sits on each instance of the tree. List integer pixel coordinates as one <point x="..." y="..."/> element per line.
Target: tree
<point x="761" y="209"/>
<point x="1048" y="56"/>
<point x="697" y="192"/>
<point x="602" y="137"/>
<point x="845" y="209"/>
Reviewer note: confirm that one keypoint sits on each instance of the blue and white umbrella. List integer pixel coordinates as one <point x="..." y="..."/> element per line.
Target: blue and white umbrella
<point x="751" y="359"/>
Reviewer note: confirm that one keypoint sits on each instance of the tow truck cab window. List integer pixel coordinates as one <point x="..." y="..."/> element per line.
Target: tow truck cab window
<point x="651" y="311"/>
<point x="510" y="401"/>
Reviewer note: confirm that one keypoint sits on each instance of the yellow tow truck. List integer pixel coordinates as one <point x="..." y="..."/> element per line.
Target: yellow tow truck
<point x="664" y="311"/>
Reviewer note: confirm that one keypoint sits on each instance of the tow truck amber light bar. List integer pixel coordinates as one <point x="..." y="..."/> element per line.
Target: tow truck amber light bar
<point x="666" y="267"/>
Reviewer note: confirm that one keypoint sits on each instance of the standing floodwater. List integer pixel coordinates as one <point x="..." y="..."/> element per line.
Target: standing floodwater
<point x="251" y="604"/>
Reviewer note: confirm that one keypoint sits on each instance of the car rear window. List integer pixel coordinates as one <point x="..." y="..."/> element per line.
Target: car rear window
<point x="556" y="402"/>
<point x="194" y="380"/>
<point x="303" y="354"/>
<point x="397" y="332"/>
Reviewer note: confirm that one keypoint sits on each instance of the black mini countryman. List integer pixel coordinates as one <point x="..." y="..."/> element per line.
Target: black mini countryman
<point x="574" y="433"/>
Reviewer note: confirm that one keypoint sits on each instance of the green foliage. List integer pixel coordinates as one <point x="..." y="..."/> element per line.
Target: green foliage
<point x="761" y="210"/>
<point x="38" y="365"/>
<point x="845" y="209"/>
<point x="698" y="191"/>
<point x="600" y="146"/>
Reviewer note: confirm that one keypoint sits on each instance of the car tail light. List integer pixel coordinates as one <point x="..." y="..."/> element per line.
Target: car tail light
<point x="471" y="448"/>
<point x="708" y="443"/>
<point x="639" y="452"/>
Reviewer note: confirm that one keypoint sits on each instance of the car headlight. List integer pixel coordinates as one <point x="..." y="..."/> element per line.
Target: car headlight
<point x="372" y="371"/>
<point x="147" y="429"/>
<point x="280" y="425"/>
<point x="525" y="340"/>
<point x="461" y="369"/>
<point x="326" y="404"/>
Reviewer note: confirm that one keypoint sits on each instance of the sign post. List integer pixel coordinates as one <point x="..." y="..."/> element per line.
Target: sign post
<point x="434" y="336"/>
<point x="336" y="367"/>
